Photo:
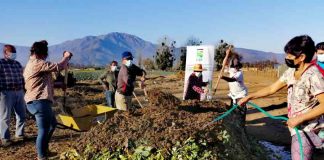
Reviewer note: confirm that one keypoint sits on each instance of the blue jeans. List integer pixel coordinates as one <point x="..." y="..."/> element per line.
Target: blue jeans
<point x="12" y="101"/>
<point x="46" y="123"/>
<point x="110" y="98"/>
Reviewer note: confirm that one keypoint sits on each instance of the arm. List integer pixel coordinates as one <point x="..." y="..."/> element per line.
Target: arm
<point x="102" y="82"/>
<point x="263" y="92"/>
<point x="53" y="67"/>
<point x="198" y="89"/>
<point x="228" y="79"/>
<point x="312" y="114"/>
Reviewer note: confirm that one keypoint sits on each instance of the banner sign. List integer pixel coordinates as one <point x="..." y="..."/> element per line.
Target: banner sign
<point x="203" y="55"/>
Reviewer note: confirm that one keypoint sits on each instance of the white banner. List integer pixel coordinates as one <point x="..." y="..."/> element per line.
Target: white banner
<point x="200" y="55"/>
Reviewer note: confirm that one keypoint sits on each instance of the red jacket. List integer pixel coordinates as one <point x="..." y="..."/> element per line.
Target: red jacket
<point x="314" y="62"/>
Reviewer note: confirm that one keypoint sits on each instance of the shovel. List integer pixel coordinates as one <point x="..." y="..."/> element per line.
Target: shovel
<point x="66" y="110"/>
<point x="137" y="100"/>
<point x="228" y="51"/>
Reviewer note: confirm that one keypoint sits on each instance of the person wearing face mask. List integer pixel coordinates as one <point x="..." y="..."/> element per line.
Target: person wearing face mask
<point x="11" y="95"/>
<point x="305" y="98"/>
<point x="40" y="93"/>
<point x="125" y="81"/>
<point x="195" y="84"/>
<point x="320" y="57"/>
<point x="109" y="82"/>
<point x="237" y="88"/>
<point x="235" y="80"/>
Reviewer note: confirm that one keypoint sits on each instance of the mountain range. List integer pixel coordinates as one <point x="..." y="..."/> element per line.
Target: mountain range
<point x="100" y="50"/>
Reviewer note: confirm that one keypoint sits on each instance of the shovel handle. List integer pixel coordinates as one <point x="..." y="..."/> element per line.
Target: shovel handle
<point x="137" y="100"/>
<point x="65" y="109"/>
<point x="228" y="51"/>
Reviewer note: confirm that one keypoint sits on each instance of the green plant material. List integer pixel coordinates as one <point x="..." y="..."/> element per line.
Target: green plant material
<point x="225" y="136"/>
<point x="190" y="150"/>
<point x="70" y="155"/>
<point x="87" y="74"/>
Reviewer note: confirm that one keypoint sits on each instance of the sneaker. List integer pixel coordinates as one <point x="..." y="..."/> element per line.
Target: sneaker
<point x="6" y="142"/>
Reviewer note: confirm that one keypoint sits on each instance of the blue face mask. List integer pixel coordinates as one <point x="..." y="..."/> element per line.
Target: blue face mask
<point x="13" y="56"/>
<point x="320" y="60"/>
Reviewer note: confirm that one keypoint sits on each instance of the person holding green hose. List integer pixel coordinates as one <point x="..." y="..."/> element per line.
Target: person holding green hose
<point x="305" y="97"/>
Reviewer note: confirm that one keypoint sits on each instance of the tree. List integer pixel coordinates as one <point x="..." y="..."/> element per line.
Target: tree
<point x="191" y="41"/>
<point x="139" y="58"/>
<point x="220" y="50"/>
<point x="148" y="64"/>
<point x="165" y="54"/>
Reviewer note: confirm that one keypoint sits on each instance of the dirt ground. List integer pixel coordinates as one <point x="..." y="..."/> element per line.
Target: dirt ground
<point x="86" y="93"/>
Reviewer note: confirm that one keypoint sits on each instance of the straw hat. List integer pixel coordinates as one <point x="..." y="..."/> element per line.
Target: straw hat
<point x="198" y="68"/>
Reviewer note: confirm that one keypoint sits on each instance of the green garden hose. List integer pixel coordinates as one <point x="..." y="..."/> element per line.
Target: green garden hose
<point x="268" y="115"/>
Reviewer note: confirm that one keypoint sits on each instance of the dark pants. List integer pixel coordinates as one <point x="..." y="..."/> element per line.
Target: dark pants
<point x="242" y="110"/>
<point x="46" y="123"/>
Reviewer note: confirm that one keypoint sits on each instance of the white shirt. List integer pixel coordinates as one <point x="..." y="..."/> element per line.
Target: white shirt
<point x="237" y="88"/>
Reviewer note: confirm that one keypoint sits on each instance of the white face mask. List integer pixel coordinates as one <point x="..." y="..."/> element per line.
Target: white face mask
<point x="113" y="68"/>
<point x="320" y="57"/>
<point x="128" y="63"/>
<point x="12" y="56"/>
<point x="232" y="70"/>
<point x="198" y="74"/>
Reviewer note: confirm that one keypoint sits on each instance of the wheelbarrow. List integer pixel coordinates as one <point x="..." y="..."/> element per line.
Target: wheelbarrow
<point x="82" y="119"/>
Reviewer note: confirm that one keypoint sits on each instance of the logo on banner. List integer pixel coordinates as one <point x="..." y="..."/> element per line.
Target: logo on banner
<point x="199" y="55"/>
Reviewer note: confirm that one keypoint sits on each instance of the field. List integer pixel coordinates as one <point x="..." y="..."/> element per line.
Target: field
<point x="89" y="92"/>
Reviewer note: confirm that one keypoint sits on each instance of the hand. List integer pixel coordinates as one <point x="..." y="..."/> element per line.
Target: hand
<point x="67" y="54"/>
<point x="295" y="121"/>
<point x="105" y="87"/>
<point x="143" y="78"/>
<point x="206" y="90"/>
<point x="243" y="101"/>
<point x="228" y="50"/>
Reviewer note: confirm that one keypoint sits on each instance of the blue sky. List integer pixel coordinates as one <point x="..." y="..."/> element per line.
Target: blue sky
<point x="255" y="24"/>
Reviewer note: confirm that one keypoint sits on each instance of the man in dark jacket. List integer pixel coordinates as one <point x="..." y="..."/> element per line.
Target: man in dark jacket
<point x="126" y="80"/>
<point x="109" y="82"/>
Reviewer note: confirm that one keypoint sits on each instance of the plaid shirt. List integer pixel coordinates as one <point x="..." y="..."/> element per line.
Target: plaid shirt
<point x="11" y="75"/>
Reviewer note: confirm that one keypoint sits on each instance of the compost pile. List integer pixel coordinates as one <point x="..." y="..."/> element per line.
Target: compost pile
<point x="165" y="122"/>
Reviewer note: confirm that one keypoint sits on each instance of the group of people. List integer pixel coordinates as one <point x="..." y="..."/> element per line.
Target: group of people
<point x="118" y="82"/>
<point x="305" y="83"/>
<point x="31" y="88"/>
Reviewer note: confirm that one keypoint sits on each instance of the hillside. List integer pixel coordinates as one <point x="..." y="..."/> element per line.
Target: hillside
<point x="100" y="50"/>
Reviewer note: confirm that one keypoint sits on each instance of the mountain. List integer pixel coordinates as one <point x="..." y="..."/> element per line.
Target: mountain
<point x="250" y="55"/>
<point x="101" y="50"/>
